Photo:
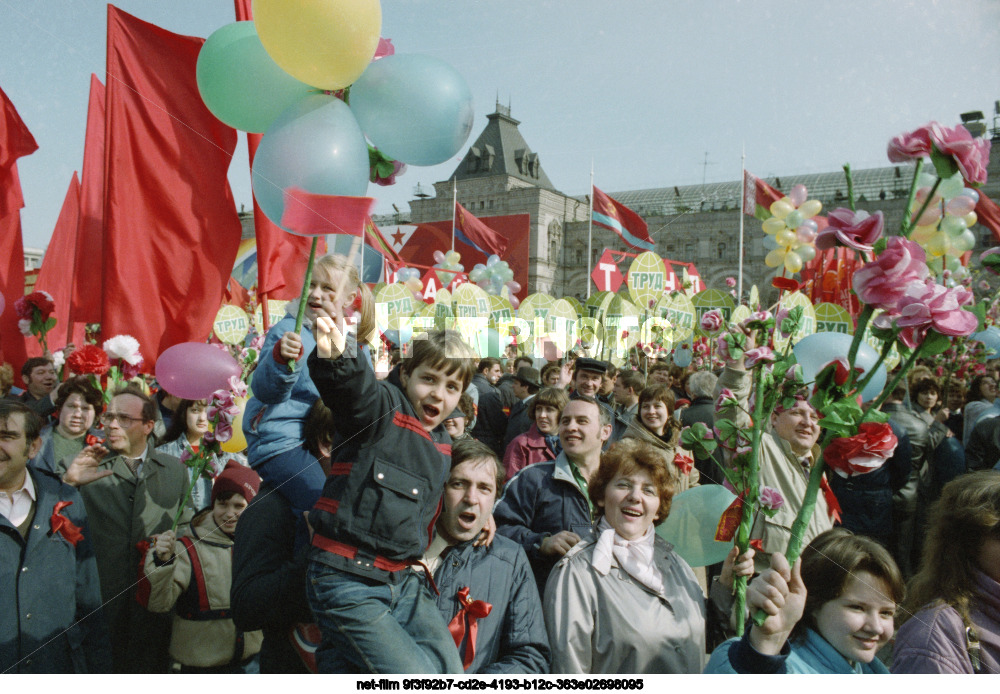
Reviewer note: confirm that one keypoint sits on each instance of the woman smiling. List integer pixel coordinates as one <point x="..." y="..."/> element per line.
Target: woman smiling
<point x="628" y="602"/>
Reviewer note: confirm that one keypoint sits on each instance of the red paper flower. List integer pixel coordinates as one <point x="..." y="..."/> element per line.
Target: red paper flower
<point x="40" y="301"/>
<point x="684" y="463"/>
<point x="863" y="452"/>
<point x="785" y="284"/>
<point x="89" y="359"/>
<point x="63" y="525"/>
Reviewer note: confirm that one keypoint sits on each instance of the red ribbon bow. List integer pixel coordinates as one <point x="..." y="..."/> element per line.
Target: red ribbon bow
<point x="471" y="611"/>
<point x="832" y="505"/>
<point x="684" y="463"/>
<point x="63" y="525"/>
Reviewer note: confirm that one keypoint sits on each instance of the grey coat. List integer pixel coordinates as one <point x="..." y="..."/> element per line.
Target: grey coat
<point x="613" y="624"/>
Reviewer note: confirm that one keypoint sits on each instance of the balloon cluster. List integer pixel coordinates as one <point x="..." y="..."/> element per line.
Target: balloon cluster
<point x="410" y="278"/>
<point x="447" y="265"/>
<point x="494" y="276"/>
<point x="943" y="228"/>
<point x="291" y="73"/>
<point x="791" y="231"/>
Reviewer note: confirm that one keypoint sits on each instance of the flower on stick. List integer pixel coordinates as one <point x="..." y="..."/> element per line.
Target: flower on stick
<point x="34" y="311"/>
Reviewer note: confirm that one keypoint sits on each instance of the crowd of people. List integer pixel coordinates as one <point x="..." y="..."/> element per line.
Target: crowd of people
<point x="467" y="515"/>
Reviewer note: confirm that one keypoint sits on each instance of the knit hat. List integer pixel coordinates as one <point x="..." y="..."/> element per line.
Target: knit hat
<point x="236" y="478"/>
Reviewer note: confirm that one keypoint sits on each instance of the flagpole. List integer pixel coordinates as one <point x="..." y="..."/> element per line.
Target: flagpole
<point x="590" y="226"/>
<point x="739" y="207"/>
<point x="454" y="206"/>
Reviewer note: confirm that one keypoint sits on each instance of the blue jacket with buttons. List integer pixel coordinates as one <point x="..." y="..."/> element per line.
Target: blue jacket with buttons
<point x="50" y="595"/>
<point x="512" y="637"/>
<point x="541" y="500"/>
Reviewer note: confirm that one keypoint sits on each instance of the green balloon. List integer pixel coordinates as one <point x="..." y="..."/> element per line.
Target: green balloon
<point x="239" y="82"/>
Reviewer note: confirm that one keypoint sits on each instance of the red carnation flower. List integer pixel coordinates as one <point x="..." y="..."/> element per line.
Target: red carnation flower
<point x="89" y="359"/>
<point x="864" y="452"/>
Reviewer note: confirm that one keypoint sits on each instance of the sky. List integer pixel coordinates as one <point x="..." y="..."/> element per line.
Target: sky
<point x="645" y="91"/>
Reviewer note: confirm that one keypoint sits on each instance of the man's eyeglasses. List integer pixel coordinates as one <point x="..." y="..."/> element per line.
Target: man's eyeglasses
<point x="110" y="417"/>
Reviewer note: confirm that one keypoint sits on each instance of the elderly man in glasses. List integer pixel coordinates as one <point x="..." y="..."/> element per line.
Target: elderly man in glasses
<point x="131" y="492"/>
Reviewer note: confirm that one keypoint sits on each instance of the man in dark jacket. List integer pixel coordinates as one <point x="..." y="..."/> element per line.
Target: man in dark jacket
<point x="527" y="382"/>
<point x="51" y="619"/>
<point x="546" y="508"/>
<point x="904" y="501"/>
<point x="486" y="587"/>
<point x="700" y="386"/>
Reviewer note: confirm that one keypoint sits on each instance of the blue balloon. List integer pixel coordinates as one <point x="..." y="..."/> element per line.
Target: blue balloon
<point x="315" y="145"/>
<point x="815" y="351"/>
<point x="414" y="108"/>
<point x="990" y="339"/>
<point x="682" y="356"/>
<point x="690" y="527"/>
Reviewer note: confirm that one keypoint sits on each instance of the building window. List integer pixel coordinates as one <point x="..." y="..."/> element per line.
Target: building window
<point x="688" y="251"/>
<point x="489" y="204"/>
<point x="482" y="205"/>
<point x="722" y="251"/>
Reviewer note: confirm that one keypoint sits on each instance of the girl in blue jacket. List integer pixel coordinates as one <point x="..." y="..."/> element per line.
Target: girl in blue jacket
<point x="829" y="614"/>
<point x="282" y="397"/>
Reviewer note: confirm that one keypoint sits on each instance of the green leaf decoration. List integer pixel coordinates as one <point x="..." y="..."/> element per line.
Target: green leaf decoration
<point x="945" y="165"/>
<point x="935" y="343"/>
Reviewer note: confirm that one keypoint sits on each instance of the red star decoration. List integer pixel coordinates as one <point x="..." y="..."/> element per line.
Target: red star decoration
<point x="397" y="239"/>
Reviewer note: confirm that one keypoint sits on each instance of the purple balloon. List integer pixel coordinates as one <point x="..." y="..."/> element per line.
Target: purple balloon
<point x="195" y="370"/>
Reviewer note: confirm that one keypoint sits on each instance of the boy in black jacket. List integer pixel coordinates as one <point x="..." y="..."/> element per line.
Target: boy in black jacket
<point x="379" y="505"/>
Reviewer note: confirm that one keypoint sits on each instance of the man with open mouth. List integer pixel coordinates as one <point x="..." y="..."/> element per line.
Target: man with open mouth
<point x="489" y="587"/>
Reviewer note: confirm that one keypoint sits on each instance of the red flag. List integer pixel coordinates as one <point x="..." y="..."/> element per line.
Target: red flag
<point x="374" y="238"/>
<point x="56" y="274"/>
<point x="315" y="214"/>
<point x="611" y="214"/>
<point x="15" y="142"/>
<point x="281" y="257"/>
<point x="88" y="267"/>
<point x="171" y="229"/>
<point x="474" y="232"/>
<point x="988" y="213"/>
<point x="758" y="196"/>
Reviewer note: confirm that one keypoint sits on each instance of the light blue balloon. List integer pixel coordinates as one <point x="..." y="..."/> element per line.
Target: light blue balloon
<point x="414" y="108"/>
<point x="815" y="351"/>
<point x="682" y="357"/>
<point x="240" y="83"/>
<point x="690" y="527"/>
<point x="315" y="145"/>
<point x="990" y="339"/>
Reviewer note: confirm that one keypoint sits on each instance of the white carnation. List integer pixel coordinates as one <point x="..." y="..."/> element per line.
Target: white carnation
<point x="124" y="347"/>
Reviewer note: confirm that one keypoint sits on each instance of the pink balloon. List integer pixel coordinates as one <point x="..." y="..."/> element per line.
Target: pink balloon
<point x="514" y="287"/>
<point x="806" y="234"/>
<point x="798" y="194"/>
<point x="514" y="301"/>
<point x="438" y="257"/>
<point x="195" y="370"/>
<point x="960" y="206"/>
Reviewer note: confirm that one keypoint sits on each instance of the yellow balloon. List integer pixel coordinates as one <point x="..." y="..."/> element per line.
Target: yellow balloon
<point x="772" y="225"/>
<point x="793" y="263"/>
<point x="775" y="257"/>
<point x="810" y="208"/>
<point x="781" y="208"/>
<point x="923" y="234"/>
<point x="938" y="244"/>
<point x="325" y="43"/>
<point x="970" y="219"/>
<point x="238" y="442"/>
<point x="785" y="237"/>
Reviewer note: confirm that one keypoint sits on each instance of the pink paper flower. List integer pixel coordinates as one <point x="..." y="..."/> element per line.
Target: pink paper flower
<point x="712" y="321"/>
<point x="857" y="230"/>
<point x="970" y="154"/>
<point x="771" y="498"/>
<point x="730" y="281"/>
<point x="926" y="305"/>
<point x="758" y="355"/>
<point x="726" y="399"/>
<point x="881" y="283"/>
<point x="864" y="452"/>
<point x="223" y="431"/>
<point x="238" y="387"/>
<point x="909" y="146"/>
